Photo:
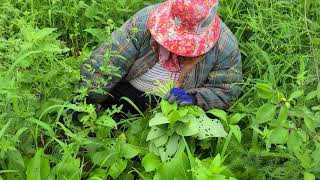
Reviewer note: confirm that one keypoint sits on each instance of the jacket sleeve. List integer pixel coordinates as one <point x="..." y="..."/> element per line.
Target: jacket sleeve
<point x="222" y="84"/>
<point x="110" y="62"/>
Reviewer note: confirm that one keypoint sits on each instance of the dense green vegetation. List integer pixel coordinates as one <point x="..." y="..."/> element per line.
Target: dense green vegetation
<point x="270" y="132"/>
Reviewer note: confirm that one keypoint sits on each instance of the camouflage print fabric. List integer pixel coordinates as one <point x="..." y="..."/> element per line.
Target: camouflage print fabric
<point x="214" y="82"/>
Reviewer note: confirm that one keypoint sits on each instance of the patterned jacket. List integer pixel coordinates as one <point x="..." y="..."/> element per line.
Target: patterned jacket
<point x="213" y="82"/>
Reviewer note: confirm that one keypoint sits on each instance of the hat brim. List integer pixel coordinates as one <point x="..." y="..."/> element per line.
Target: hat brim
<point x="181" y="43"/>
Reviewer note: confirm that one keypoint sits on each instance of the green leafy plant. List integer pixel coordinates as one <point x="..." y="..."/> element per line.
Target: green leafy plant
<point x="270" y="132"/>
<point x="169" y="126"/>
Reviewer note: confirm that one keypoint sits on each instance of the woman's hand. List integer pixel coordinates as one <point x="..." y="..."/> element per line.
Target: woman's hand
<point x="180" y="96"/>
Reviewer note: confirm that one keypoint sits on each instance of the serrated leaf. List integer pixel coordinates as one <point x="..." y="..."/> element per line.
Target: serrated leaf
<point x="158" y="119"/>
<point x="107" y="121"/>
<point x="265" y="113"/>
<point x="154" y="133"/>
<point x="42" y="33"/>
<point x="150" y="162"/>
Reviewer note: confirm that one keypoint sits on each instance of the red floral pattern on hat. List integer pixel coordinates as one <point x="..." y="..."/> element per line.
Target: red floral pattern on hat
<point x="186" y="27"/>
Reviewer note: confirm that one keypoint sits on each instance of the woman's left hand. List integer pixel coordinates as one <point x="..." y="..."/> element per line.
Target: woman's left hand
<point x="180" y="96"/>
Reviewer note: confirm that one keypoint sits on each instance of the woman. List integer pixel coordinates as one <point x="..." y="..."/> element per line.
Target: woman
<point x="180" y="40"/>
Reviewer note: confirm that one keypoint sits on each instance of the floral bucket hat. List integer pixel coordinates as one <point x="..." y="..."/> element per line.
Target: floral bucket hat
<point x="186" y="27"/>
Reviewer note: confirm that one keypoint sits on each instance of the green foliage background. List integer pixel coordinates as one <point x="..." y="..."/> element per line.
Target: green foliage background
<point x="273" y="129"/>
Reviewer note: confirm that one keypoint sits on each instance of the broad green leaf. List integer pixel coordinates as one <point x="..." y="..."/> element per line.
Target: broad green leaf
<point x="296" y="94"/>
<point x="264" y="91"/>
<point x="166" y="107"/>
<point x="150" y="162"/>
<point x="171" y="148"/>
<point x="174" y="116"/>
<point x="172" y="145"/>
<point x="45" y="168"/>
<point x="282" y="117"/>
<point x="104" y="158"/>
<point x="91" y="11"/>
<point x="177" y="168"/>
<point x="279" y="136"/>
<point x="160" y="141"/>
<point x="98" y="174"/>
<point x="183" y="112"/>
<point x="316" y="155"/>
<point x="129" y="151"/>
<point x="235" y="129"/>
<point x="294" y="141"/>
<point x="158" y="119"/>
<point x="69" y="168"/>
<point x="195" y="110"/>
<point x="117" y="168"/>
<point x="309" y="122"/>
<point x="209" y="169"/>
<point x="16" y="162"/>
<point x="188" y="129"/>
<point x="308" y="176"/>
<point x="210" y="128"/>
<point x="216" y="166"/>
<point x="154" y="133"/>
<point x="234" y="119"/>
<point x="305" y="159"/>
<point x="304" y="136"/>
<point x="219" y="113"/>
<point x="265" y="113"/>
<point x="38" y="167"/>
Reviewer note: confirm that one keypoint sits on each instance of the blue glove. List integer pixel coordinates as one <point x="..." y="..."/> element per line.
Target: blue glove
<point x="179" y="95"/>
